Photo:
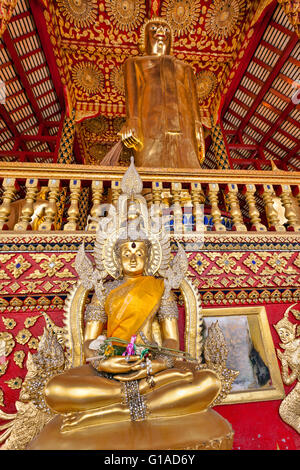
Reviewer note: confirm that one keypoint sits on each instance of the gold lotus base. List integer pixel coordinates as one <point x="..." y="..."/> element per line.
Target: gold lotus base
<point x="205" y="430"/>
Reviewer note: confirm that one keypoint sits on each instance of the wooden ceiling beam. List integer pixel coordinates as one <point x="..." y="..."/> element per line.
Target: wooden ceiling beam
<point x="268" y="82"/>
<point x="23" y="77"/>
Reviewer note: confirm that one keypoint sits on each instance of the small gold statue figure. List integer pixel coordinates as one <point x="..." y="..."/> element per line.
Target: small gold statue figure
<point x="289" y="409"/>
<point x="163" y="121"/>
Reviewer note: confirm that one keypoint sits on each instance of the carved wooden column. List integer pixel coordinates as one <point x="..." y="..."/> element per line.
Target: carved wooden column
<point x="97" y="192"/>
<point x="249" y="191"/>
<point x="198" y="199"/>
<point x="285" y="193"/>
<point x="267" y="192"/>
<point x="176" y="193"/>
<point x="73" y="212"/>
<point x="213" y="192"/>
<point x="51" y="209"/>
<point x="32" y="188"/>
<point x="10" y="187"/>
<point x="235" y="211"/>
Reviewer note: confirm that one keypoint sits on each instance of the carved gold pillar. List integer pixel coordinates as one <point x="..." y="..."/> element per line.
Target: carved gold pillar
<point x="198" y="199"/>
<point x="249" y="191"/>
<point x="73" y="212"/>
<point x="213" y="191"/>
<point x="165" y="209"/>
<point x="176" y="194"/>
<point x="156" y="211"/>
<point x="32" y="188"/>
<point x="285" y="193"/>
<point x="10" y="187"/>
<point x="97" y="192"/>
<point x="235" y="211"/>
<point x="267" y="192"/>
<point x="51" y="209"/>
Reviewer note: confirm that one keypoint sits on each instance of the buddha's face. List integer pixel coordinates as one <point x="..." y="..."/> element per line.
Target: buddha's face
<point x="158" y="38"/>
<point x="133" y="258"/>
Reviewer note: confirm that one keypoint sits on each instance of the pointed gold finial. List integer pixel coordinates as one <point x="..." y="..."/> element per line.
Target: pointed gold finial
<point x="131" y="183"/>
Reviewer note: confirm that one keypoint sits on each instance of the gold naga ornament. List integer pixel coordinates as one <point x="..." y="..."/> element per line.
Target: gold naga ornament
<point x="288" y="333"/>
<point x="94" y="415"/>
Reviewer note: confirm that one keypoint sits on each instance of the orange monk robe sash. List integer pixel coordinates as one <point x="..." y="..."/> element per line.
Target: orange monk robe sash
<point x="130" y="305"/>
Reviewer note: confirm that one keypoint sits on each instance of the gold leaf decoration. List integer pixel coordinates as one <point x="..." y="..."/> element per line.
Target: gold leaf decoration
<point x="23" y="336"/>
<point x="33" y="343"/>
<point x="3" y="368"/>
<point x="82" y="13"/>
<point x="9" y="323"/>
<point x="223" y="17"/>
<point x="30" y="321"/>
<point x="88" y="77"/>
<point x="19" y="358"/>
<point x="1" y="397"/>
<point x="206" y="84"/>
<point x="18" y="266"/>
<point x="117" y="80"/>
<point x="97" y="125"/>
<point x="127" y="15"/>
<point x="9" y="342"/>
<point x="181" y="15"/>
<point x="15" y="383"/>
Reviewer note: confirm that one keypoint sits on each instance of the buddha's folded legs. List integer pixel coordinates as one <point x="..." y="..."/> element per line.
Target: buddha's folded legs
<point x="193" y="393"/>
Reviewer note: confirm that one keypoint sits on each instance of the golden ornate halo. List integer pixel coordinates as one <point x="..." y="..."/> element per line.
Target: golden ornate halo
<point x="223" y="17"/>
<point x="126" y="14"/>
<point x="157" y="19"/>
<point x="111" y="263"/>
<point x="88" y="77"/>
<point x="182" y="15"/>
<point x="206" y="84"/>
<point x="117" y="80"/>
<point x="80" y="12"/>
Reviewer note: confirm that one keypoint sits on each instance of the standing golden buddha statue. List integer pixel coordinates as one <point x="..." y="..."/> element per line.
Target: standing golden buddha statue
<point x="163" y="123"/>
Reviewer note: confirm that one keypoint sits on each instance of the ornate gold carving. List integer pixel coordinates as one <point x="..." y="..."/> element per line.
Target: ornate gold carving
<point x="223" y="17"/>
<point x="81" y="12"/>
<point x="9" y="323"/>
<point x="88" y="77"/>
<point x="9" y="342"/>
<point x="15" y="383"/>
<point x="19" y="358"/>
<point x="127" y="15"/>
<point x="182" y="15"/>
<point x="289" y="409"/>
<point x="206" y="84"/>
<point x="117" y="80"/>
<point x="97" y="125"/>
<point x="23" y="336"/>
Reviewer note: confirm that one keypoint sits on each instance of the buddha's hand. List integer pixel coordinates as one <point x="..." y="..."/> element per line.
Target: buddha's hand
<point x="119" y="364"/>
<point x="139" y="370"/>
<point x="131" y="135"/>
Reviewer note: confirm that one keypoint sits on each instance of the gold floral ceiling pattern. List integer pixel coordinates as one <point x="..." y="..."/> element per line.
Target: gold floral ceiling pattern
<point x="92" y="40"/>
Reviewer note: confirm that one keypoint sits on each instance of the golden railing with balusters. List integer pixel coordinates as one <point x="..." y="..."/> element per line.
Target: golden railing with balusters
<point x="246" y="197"/>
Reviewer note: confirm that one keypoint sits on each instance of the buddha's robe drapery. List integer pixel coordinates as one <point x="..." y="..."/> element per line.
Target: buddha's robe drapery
<point x="161" y="100"/>
<point x="131" y="304"/>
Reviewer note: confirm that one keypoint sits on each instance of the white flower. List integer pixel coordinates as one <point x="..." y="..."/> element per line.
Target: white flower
<point x="94" y="345"/>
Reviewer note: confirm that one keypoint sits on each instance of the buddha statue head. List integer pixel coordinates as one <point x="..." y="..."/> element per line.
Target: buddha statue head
<point x="157" y="37"/>
<point x="133" y="256"/>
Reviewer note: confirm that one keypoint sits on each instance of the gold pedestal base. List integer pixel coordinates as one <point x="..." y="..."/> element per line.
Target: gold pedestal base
<point x="205" y="430"/>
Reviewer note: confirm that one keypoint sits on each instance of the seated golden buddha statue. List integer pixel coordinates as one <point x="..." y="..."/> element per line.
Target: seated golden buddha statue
<point x="135" y="372"/>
